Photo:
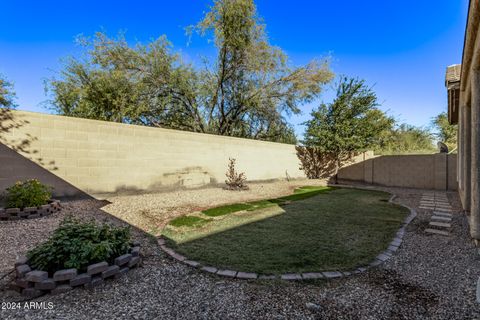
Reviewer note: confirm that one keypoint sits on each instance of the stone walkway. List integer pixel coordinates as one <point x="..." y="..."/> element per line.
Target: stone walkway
<point x="440" y="221"/>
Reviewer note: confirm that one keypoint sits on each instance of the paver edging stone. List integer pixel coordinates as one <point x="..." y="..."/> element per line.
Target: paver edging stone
<point x="35" y="283"/>
<point x="292" y="276"/>
<point x="12" y="214"/>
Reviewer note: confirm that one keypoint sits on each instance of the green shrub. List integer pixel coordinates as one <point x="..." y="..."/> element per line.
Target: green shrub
<point x="76" y="244"/>
<point x="29" y="193"/>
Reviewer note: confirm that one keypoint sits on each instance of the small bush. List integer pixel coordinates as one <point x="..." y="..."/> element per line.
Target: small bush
<point x="29" y="193"/>
<point x="76" y="244"/>
<point x="235" y="180"/>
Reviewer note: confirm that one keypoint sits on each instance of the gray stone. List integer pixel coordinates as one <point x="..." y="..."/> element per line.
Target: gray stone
<point x="161" y="241"/>
<point x="192" y="263"/>
<point x="176" y="256"/>
<point x="33" y="216"/>
<point x="97" y="268"/>
<point x="23" y="214"/>
<point x="383" y="257"/>
<point x="22" y="283"/>
<point x="209" y="269"/>
<point x="440" y="224"/>
<point x="61" y="289"/>
<point x="440" y="218"/>
<point x="22" y="270"/>
<point x="12" y="211"/>
<point x="134" y="262"/>
<point x="361" y="269"/>
<point x="443" y="214"/>
<point x="312" y="306"/>
<point x="332" y="274"/>
<point x="65" y="274"/>
<point x="80" y="279"/>
<point x="227" y="273"/>
<point x="396" y="242"/>
<point x="36" y="276"/>
<point x="435" y="231"/>
<point x="246" y="275"/>
<point x="375" y="263"/>
<point x="392" y="248"/>
<point x="32" y="293"/>
<point x="96" y="281"/>
<point x="121" y="272"/>
<point x="312" y="275"/>
<point x="135" y="251"/>
<point x="123" y="259"/>
<point x="110" y="272"/>
<point x="48" y="284"/>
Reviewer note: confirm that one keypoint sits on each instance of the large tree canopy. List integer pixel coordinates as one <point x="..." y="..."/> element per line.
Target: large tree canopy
<point x="404" y="139"/>
<point x="245" y="91"/>
<point x="350" y="124"/>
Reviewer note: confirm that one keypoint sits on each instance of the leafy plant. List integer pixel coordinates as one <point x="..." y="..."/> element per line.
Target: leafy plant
<point x="29" y="193"/>
<point x="235" y="180"/>
<point x="76" y="244"/>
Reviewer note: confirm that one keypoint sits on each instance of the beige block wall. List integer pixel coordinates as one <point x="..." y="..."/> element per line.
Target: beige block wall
<point x="74" y="154"/>
<point x="409" y="171"/>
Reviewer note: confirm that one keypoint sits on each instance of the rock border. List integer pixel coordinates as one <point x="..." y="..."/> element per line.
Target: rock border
<point x="35" y="283"/>
<point x="13" y="214"/>
<point x="381" y="258"/>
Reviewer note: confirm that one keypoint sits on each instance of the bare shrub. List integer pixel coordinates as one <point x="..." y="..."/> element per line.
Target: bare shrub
<point x="235" y="180"/>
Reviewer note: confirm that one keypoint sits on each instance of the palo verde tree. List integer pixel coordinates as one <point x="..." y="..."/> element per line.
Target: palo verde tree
<point x="350" y="124"/>
<point x="245" y="91"/>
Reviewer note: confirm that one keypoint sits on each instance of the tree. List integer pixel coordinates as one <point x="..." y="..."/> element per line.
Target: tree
<point x="246" y="91"/>
<point x="350" y="124"/>
<point x="405" y="138"/>
<point x="445" y="132"/>
<point x="7" y="95"/>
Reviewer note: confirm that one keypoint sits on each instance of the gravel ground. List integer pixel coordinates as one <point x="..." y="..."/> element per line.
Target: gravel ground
<point x="152" y="211"/>
<point x="430" y="277"/>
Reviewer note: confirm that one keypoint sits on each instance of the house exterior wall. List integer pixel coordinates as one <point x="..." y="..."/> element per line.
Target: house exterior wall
<point x="468" y="176"/>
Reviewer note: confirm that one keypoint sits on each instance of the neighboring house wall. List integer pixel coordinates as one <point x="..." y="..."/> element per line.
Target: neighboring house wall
<point x="76" y="155"/>
<point x="435" y="171"/>
<point x="468" y="119"/>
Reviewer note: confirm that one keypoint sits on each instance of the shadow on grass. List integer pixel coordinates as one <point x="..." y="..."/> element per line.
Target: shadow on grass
<point x="338" y="230"/>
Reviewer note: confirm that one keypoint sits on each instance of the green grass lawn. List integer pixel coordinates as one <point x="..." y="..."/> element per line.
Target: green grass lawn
<point x="315" y="229"/>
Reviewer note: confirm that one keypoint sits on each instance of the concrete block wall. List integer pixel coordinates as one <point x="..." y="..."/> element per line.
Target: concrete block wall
<point x="434" y="171"/>
<point x="79" y="155"/>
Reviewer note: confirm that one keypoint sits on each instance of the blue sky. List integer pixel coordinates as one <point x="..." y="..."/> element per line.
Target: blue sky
<point x="400" y="47"/>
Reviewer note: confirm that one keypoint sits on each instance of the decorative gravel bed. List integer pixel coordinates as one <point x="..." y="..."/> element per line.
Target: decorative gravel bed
<point x="30" y="212"/>
<point x="429" y="277"/>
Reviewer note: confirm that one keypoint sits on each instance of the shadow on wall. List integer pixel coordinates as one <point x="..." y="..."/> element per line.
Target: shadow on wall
<point x="14" y="166"/>
<point x="433" y="171"/>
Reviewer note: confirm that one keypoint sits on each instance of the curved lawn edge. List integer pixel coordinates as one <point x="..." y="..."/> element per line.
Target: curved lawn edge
<point x="379" y="259"/>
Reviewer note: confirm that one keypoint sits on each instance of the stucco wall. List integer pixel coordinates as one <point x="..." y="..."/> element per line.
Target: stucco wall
<point x="75" y="154"/>
<point x="435" y="171"/>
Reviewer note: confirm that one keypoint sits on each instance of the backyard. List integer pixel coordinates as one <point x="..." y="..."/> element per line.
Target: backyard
<point x="417" y="282"/>
<point x="289" y="234"/>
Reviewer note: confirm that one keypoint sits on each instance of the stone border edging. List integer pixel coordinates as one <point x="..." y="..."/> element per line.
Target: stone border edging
<point x="12" y="214"/>
<point x="381" y="258"/>
<point x="35" y="283"/>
